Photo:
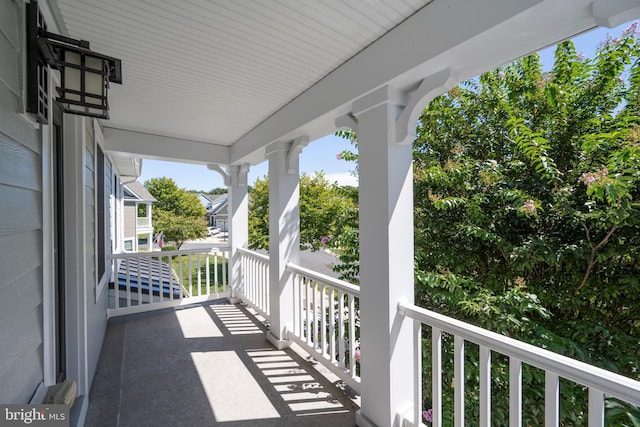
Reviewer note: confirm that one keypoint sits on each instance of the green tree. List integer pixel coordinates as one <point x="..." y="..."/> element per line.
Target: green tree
<point x="171" y="198"/>
<point x="178" y="229"/>
<point x="176" y="212"/>
<point x="527" y="216"/>
<point x="323" y="206"/>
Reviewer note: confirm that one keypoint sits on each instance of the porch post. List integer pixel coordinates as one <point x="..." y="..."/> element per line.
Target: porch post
<point x="284" y="235"/>
<point x="386" y="260"/>
<point x="238" y="208"/>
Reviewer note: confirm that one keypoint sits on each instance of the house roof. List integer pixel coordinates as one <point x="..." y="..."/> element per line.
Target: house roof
<point x="217" y="204"/>
<point x="136" y="190"/>
<point x="217" y="81"/>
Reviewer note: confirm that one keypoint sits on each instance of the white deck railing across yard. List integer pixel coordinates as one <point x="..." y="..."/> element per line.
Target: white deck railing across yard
<point x="255" y="283"/>
<point x="325" y="321"/>
<point x="600" y="382"/>
<point x="144" y="281"/>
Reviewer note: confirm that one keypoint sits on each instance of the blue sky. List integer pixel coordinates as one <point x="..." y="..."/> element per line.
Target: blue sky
<point x="320" y="155"/>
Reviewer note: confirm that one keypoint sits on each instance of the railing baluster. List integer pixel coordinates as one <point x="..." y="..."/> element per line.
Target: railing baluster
<point x="352" y="336"/>
<point x="458" y="372"/>
<point x="332" y="326"/>
<point x="207" y="274"/>
<point x="436" y="376"/>
<point x="551" y="399"/>
<point x="485" y="386"/>
<point x="160" y="279"/>
<point x="180" y="281"/>
<point x="190" y="275"/>
<point x="225" y="270"/>
<point x="215" y="274"/>
<point x="323" y="319"/>
<point x="596" y="407"/>
<point x="515" y="392"/>
<point x="149" y="276"/>
<point x="199" y="266"/>
<point x="417" y="382"/>
<point x="341" y="337"/>
<point x="170" y="264"/>
<point x="139" y="286"/>
<point x="307" y="307"/>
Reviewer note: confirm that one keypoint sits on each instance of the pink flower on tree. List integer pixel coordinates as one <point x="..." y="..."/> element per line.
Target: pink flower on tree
<point x="339" y="156"/>
<point x="631" y="29"/>
<point x="357" y="355"/>
<point x="428" y="415"/>
<point x="529" y="207"/>
<point x="324" y="240"/>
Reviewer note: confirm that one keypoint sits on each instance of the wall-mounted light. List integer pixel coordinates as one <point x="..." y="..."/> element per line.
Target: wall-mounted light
<point x="85" y="75"/>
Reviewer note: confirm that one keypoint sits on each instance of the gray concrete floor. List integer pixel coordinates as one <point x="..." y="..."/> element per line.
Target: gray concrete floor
<point x="209" y="365"/>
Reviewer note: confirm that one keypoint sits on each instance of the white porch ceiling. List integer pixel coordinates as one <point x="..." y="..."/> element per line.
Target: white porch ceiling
<point x="214" y="81"/>
<point x="212" y="70"/>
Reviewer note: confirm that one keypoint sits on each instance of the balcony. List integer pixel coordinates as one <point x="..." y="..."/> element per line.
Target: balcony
<point x="192" y="358"/>
<point x="143" y="223"/>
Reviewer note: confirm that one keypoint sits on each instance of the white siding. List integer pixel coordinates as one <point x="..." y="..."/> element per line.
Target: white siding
<point x="21" y="367"/>
<point x="96" y="318"/>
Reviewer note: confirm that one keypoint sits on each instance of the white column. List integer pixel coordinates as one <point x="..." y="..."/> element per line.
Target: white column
<point x="386" y="261"/>
<point x="238" y="208"/>
<point x="284" y="236"/>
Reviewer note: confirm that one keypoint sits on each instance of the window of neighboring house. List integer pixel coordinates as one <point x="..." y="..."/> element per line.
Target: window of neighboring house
<point x="142" y="210"/>
<point x="100" y="207"/>
<point x="128" y="245"/>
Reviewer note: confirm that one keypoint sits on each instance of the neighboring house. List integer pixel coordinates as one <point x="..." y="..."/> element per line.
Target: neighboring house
<point x="217" y="213"/>
<point x="138" y="223"/>
<point x="257" y="93"/>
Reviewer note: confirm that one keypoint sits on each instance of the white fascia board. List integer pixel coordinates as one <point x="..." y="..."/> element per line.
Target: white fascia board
<point x="470" y="37"/>
<point x="146" y="145"/>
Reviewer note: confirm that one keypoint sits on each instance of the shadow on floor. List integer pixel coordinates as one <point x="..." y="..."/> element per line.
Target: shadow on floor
<point x="208" y="364"/>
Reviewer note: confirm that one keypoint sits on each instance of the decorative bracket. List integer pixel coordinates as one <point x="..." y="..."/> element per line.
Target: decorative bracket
<point x="347" y="121"/>
<point x="293" y="157"/>
<point x="239" y="174"/>
<point x="429" y="88"/>
<point x="225" y="175"/>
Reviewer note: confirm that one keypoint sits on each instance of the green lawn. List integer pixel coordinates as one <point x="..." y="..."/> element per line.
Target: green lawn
<point x="217" y="270"/>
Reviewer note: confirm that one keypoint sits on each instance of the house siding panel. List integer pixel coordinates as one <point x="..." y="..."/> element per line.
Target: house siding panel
<point x="96" y="308"/>
<point x="21" y="367"/>
<point x="9" y="30"/>
<point x="129" y="220"/>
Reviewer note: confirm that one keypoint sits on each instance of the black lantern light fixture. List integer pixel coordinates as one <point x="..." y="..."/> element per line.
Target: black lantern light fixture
<point x="85" y="75"/>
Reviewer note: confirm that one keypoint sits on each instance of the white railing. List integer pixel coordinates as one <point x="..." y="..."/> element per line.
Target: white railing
<point x="600" y="382"/>
<point x="255" y="283"/>
<point x="146" y="281"/>
<point x="143" y="222"/>
<point x="326" y="321"/>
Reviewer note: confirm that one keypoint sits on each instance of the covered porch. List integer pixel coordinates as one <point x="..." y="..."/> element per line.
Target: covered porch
<point x="209" y="364"/>
<point x="230" y="87"/>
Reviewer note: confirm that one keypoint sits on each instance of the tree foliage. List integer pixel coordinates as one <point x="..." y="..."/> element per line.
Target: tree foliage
<point x="322" y="208"/>
<point x="527" y="215"/>
<point x="171" y="198"/>
<point x="176" y="212"/>
<point x="178" y="229"/>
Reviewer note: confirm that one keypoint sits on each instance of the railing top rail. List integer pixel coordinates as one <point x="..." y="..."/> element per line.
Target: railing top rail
<point x="610" y="383"/>
<point x="253" y="254"/>
<point x="323" y="278"/>
<point x="204" y="251"/>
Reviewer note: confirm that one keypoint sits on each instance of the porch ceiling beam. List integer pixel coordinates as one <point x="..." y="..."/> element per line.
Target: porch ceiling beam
<point x="469" y="37"/>
<point x="161" y="147"/>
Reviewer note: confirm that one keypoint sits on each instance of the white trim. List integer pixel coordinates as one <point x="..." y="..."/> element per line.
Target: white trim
<point x="48" y="260"/>
<point x="76" y="255"/>
<point x="48" y="241"/>
<point x="101" y="282"/>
